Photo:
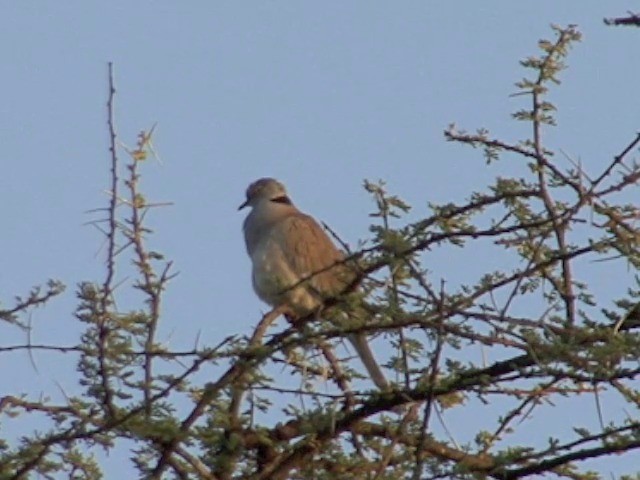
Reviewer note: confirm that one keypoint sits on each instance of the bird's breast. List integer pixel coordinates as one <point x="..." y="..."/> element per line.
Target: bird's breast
<point x="275" y="282"/>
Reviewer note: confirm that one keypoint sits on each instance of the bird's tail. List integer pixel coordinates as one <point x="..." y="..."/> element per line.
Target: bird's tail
<point x="363" y="350"/>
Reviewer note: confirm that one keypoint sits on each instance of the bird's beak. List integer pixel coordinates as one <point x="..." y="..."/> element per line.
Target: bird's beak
<point x="244" y="204"/>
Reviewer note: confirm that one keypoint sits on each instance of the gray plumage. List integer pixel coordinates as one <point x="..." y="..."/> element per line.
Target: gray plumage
<point x="295" y="263"/>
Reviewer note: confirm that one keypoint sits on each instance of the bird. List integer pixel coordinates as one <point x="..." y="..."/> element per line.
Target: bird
<point x="294" y="262"/>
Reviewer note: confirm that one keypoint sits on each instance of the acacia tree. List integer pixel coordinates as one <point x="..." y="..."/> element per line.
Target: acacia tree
<point x="553" y="339"/>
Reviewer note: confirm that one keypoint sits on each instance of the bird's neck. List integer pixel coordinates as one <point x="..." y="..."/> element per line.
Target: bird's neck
<point x="262" y="217"/>
<point x="272" y="210"/>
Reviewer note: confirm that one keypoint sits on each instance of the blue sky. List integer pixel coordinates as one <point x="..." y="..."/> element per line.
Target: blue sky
<point x="319" y="95"/>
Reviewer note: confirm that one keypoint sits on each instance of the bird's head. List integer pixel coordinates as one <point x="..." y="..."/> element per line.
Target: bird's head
<point x="265" y="190"/>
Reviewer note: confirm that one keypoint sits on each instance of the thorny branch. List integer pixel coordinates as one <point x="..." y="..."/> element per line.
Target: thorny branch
<point x="632" y="19"/>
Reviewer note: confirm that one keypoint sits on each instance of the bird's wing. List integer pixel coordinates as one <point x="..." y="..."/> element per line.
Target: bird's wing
<point x="312" y="255"/>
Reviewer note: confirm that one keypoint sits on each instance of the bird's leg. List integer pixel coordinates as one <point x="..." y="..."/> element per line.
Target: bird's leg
<point x="296" y="319"/>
